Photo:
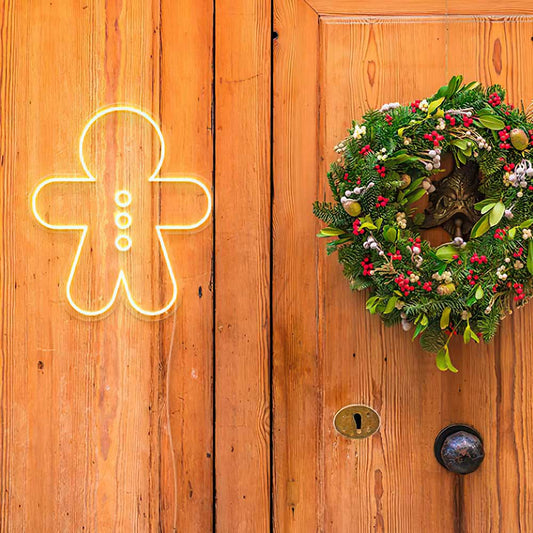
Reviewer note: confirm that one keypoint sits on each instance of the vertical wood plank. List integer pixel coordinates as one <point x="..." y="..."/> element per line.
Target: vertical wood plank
<point x="79" y="425"/>
<point x="7" y="486"/>
<point x="297" y="397"/>
<point x="121" y="422"/>
<point x="242" y="271"/>
<point x="186" y="350"/>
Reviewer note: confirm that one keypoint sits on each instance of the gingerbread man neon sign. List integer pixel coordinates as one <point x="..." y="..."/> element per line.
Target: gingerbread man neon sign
<point x="123" y="220"/>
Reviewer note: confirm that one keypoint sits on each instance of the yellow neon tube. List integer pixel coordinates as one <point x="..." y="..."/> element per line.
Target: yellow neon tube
<point x="123" y="199"/>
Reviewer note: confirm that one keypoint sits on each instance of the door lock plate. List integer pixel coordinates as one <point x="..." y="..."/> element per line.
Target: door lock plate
<point x="356" y="421"/>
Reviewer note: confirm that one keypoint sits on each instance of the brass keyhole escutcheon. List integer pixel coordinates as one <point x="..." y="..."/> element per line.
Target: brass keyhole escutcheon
<point x="356" y="421"/>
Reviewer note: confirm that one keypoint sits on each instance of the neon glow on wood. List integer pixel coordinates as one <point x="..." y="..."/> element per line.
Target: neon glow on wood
<point x="123" y="221"/>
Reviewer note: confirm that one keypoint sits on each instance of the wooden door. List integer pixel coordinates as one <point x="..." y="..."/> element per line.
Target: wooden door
<point x="133" y="424"/>
<point x="333" y="59"/>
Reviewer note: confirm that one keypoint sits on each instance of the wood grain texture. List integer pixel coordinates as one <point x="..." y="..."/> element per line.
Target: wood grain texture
<point x="363" y="65"/>
<point x="84" y="404"/>
<point x="242" y="265"/>
<point x="108" y="425"/>
<point x="390" y="482"/>
<point x="494" y="393"/>
<point x="186" y="101"/>
<point x="297" y="396"/>
<point x="419" y="7"/>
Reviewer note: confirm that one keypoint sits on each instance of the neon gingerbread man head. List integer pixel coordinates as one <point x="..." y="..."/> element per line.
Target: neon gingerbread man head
<point x="123" y="243"/>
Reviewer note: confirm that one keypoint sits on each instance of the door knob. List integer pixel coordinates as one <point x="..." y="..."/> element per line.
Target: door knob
<point x="459" y="449"/>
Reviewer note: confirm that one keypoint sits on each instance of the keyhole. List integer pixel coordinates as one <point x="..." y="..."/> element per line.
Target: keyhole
<point x="357" y="420"/>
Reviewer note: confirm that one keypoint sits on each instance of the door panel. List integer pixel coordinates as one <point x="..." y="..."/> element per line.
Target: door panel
<point x="328" y="352"/>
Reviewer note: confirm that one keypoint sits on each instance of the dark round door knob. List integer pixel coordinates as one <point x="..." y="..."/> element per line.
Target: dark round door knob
<point x="459" y="449"/>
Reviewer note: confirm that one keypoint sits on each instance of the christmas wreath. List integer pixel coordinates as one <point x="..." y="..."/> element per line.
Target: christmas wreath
<point x="461" y="158"/>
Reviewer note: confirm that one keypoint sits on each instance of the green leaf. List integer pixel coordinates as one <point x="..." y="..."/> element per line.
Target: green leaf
<point x="445" y="359"/>
<point x="415" y="184"/>
<point x="530" y="256"/>
<point x="512" y="233"/>
<point x="400" y="159"/>
<point x="479" y="292"/>
<point x="340" y="240"/>
<point x="471" y="300"/>
<point x="414" y="196"/>
<point x="526" y="223"/>
<point x="448" y="361"/>
<point x="441" y="359"/>
<point x="491" y="122"/>
<point x="496" y="213"/>
<point x="390" y="305"/>
<point x="480" y="227"/>
<point x="483" y="203"/>
<point x="372" y="304"/>
<point x="453" y="85"/>
<point x="446" y="252"/>
<point x="445" y="318"/>
<point x="469" y="335"/>
<point x="442" y="91"/>
<point x="461" y="157"/>
<point x="368" y="225"/>
<point x="390" y="234"/>
<point x="433" y="105"/>
<point x="419" y="329"/>
<point x="471" y="86"/>
<point x="460" y="143"/>
<point x="487" y="110"/>
<point x="422" y="319"/>
<point x="330" y="232"/>
<point x="371" y="301"/>
<point x="487" y="208"/>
